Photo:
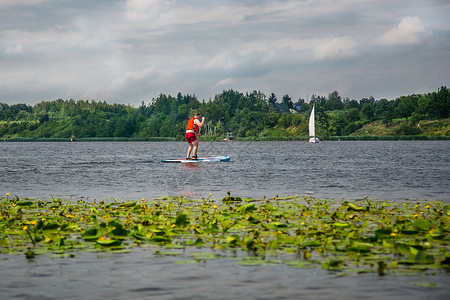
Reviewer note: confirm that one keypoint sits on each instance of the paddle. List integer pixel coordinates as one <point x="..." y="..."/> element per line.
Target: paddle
<point x="198" y="138"/>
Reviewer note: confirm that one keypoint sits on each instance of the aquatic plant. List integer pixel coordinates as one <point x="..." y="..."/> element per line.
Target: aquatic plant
<point x="346" y="236"/>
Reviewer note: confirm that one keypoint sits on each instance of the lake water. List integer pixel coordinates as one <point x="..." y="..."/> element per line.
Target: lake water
<point x="143" y="275"/>
<point x="351" y="170"/>
<point x="382" y="170"/>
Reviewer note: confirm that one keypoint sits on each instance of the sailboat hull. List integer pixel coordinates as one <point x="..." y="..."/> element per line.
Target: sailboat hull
<point x="313" y="140"/>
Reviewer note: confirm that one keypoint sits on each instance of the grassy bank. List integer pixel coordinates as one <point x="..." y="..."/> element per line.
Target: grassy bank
<point x="389" y="138"/>
<point x="346" y="236"/>
<point x="406" y="127"/>
<point x="107" y="139"/>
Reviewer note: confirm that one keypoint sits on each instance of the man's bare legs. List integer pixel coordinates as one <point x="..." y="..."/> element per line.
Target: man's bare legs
<point x="189" y="150"/>
<point x="192" y="148"/>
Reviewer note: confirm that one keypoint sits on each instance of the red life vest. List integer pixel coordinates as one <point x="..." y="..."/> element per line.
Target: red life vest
<point x="191" y="125"/>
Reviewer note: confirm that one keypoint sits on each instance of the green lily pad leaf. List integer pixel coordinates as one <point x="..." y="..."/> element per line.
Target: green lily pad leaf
<point x="30" y="254"/>
<point x="423" y="225"/>
<point x="387" y="244"/>
<point x="312" y="244"/>
<point x="269" y="207"/>
<point x="252" y="220"/>
<point x="233" y="240"/>
<point x="403" y="249"/>
<point x="353" y="207"/>
<point x="115" y="224"/>
<point x="425" y="284"/>
<point x="334" y="263"/>
<point x="109" y="242"/>
<point x="258" y="262"/>
<point x="128" y="204"/>
<point x="159" y="239"/>
<point x="339" y="224"/>
<point x="91" y="234"/>
<point x="189" y="261"/>
<point x="168" y="253"/>
<point x="383" y="233"/>
<point x="198" y="242"/>
<point x="51" y="226"/>
<point x="247" y="208"/>
<point x="138" y="236"/>
<point x="437" y="236"/>
<point x="159" y="232"/>
<point x="119" y="232"/>
<point x="25" y="203"/>
<point x="279" y="225"/>
<point x="409" y="231"/>
<point x="117" y="250"/>
<point x="446" y="261"/>
<point x="361" y="250"/>
<point x="423" y="258"/>
<point x="4" y="241"/>
<point x="203" y="256"/>
<point x="182" y="220"/>
<point x="300" y="264"/>
<point x="250" y="244"/>
<point x="361" y="247"/>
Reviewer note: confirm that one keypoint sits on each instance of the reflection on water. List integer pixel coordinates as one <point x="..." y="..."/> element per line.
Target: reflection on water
<point x="382" y="170"/>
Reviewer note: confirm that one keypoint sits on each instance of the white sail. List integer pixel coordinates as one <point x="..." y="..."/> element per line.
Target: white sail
<point x="312" y="128"/>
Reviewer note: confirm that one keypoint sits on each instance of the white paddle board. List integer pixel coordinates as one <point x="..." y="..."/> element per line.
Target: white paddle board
<point x="199" y="160"/>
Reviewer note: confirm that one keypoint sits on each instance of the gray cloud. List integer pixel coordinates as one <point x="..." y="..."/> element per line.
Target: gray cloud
<point x="130" y="51"/>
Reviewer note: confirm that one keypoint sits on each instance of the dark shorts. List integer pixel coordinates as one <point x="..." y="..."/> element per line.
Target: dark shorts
<point x="190" y="137"/>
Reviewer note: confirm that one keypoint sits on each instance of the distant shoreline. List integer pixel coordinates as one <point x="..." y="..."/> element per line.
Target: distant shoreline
<point x="217" y="139"/>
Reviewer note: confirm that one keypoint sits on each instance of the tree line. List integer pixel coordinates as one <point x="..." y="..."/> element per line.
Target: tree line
<point x="246" y="115"/>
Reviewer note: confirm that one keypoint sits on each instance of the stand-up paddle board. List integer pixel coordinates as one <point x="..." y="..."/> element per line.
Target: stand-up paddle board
<point x="199" y="160"/>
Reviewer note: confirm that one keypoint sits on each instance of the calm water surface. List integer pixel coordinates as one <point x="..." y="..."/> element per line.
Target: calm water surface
<point x="143" y="275"/>
<point x="381" y="170"/>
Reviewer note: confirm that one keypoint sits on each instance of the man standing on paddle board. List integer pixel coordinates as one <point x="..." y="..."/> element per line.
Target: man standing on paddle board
<point x="192" y="132"/>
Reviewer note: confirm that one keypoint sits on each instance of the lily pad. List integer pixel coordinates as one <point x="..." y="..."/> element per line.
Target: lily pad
<point x="422" y="225"/>
<point x="182" y="220"/>
<point x="109" y="242"/>
<point x="425" y="284"/>
<point x="91" y="234"/>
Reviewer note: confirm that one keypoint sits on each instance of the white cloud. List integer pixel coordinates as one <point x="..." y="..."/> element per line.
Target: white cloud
<point x="146" y="10"/>
<point x="18" y="48"/>
<point x="119" y="86"/>
<point x="406" y="33"/>
<point x="336" y="48"/>
<point x="126" y="50"/>
<point x="226" y="81"/>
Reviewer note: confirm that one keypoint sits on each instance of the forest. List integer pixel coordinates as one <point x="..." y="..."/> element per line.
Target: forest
<point x="245" y="116"/>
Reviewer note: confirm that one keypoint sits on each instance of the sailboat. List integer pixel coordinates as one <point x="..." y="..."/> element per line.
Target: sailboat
<point x="312" y="128"/>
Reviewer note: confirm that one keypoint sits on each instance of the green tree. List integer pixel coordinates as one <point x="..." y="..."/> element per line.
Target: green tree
<point x="288" y="101"/>
<point x="405" y="106"/>
<point x="334" y="101"/>
<point x="272" y="99"/>
<point x="383" y="110"/>
<point x="367" y="112"/>
<point x="435" y="105"/>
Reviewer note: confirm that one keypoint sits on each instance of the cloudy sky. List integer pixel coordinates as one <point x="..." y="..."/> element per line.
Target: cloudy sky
<point x="129" y="51"/>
